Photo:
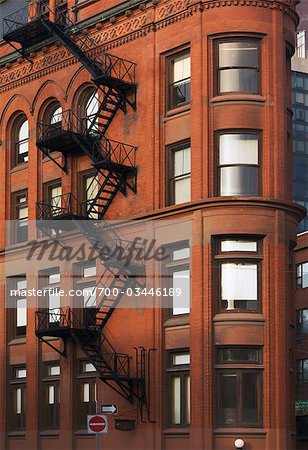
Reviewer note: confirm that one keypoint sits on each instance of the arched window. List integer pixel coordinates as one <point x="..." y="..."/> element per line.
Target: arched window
<point x="20" y="141"/>
<point x="89" y="106"/>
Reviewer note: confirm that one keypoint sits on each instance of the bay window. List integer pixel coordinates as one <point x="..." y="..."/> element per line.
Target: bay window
<point x="238" y="66"/>
<point x="238" y="263"/>
<point x="239" y="388"/>
<point x="238" y="164"/>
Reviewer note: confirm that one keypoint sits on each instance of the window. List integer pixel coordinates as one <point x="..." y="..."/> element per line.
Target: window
<point x="302" y="426"/>
<point x="239" y="355"/>
<point x="302" y="275"/>
<point x="89" y="107"/>
<point x="20" y="216"/>
<point x="17" y="403"/>
<point x="238" y="66"/>
<point x="302" y="371"/>
<point x="302" y="322"/>
<point x="20" y="141"/>
<point x="178" y="80"/>
<point x="61" y="10"/>
<point x="86" y="281"/>
<point x="88" y="367"/>
<point x="239" y="389"/>
<point x="178" y="385"/>
<point x="52" y="206"/>
<point x="177" y="275"/>
<point x="301" y="44"/>
<point x="50" y="284"/>
<point x="51" y="396"/>
<point x="238" y="266"/>
<point x="238" y="164"/>
<point x="86" y="394"/>
<point x="179" y="174"/>
<point x="17" y="297"/>
<point x="89" y="192"/>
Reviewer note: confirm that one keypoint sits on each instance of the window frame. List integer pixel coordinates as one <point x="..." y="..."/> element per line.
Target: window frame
<point x="238" y="372"/>
<point x="169" y="64"/>
<point x="299" y="278"/>
<point x="259" y="166"/>
<point x="13" y="332"/>
<point x="217" y="70"/>
<point x="171" y="178"/>
<point x="16" y="207"/>
<point x="181" y="371"/>
<point x="16" y="141"/>
<point x="17" y="421"/>
<point x="300" y="365"/>
<point x="47" y="381"/>
<point x="171" y="266"/>
<point x="300" y="322"/>
<point x="82" y="378"/>
<point x="221" y="257"/>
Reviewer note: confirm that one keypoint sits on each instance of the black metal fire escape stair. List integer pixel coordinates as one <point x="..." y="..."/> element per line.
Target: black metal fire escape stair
<point x="114" y="79"/>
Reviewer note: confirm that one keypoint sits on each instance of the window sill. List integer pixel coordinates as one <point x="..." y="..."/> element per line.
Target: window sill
<point x="50" y="433"/>
<point x="176" y="321"/>
<point x="176" y="431"/>
<point x="239" y="316"/>
<point x="19" y="434"/>
<point x="241" y="430"/>
<point x="17" y="341"/>
<point x="176" y="111"/>
<point x="19" y="167"/>
<point x="238" y="97"/>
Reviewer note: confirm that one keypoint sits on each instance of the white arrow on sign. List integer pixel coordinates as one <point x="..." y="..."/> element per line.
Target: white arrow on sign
<point x="109" y="409"/>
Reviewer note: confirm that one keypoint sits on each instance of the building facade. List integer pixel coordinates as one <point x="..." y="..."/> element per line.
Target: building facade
<point x="199" y="88"/>
<point x="300" y="118"/>
<point x="301" y="259"/>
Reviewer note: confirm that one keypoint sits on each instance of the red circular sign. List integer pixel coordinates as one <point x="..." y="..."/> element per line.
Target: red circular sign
<point x="97" y="424"/>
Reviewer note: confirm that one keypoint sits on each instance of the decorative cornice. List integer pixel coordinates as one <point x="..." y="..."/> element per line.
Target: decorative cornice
<point x="126" y="30"/>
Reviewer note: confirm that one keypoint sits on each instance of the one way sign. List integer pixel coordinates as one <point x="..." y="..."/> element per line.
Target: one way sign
<point x="109" y="409"/>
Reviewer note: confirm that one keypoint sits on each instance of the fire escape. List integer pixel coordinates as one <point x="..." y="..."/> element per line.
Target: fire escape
<point x="114" y="164"/>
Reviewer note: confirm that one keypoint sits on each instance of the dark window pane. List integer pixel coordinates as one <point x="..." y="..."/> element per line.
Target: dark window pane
<point x="228" y="399"/>
<point x="238" y="54"/>
<point x="239" y="80"/>
<point x="179" y="93"/>
<point x="250" y="396"/>
<point x="305" y="321"/>
<point x="239" y="355"/>
<point x="240" y="180"/>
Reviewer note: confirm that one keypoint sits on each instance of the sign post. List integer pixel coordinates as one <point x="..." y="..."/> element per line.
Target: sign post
<point x="97" y="424"/>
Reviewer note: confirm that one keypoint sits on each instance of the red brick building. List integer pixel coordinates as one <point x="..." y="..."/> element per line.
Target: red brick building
<point x="301" y="298"/>
<point x="199" y="88"/>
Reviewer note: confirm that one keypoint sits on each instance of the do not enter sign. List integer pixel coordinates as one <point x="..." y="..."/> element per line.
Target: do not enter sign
<point x="97" y="424"/>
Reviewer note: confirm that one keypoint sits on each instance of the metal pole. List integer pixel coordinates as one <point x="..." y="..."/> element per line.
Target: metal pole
<point x="97" y="434"/>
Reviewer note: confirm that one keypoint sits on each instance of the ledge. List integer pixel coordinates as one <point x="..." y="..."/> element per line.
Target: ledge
<point x="17" y="341"/>
<point x="176" y="321"/>
<point x="177" y="112"/>
<point x="17" y="434"/>
<point x="241" y="431"/>
<point x="176" y="432"/>
<point x="239" y="317"/>
<point x="214" y="202"/>
<point x="240" y="97"/>
<point x="50" y="433"/>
